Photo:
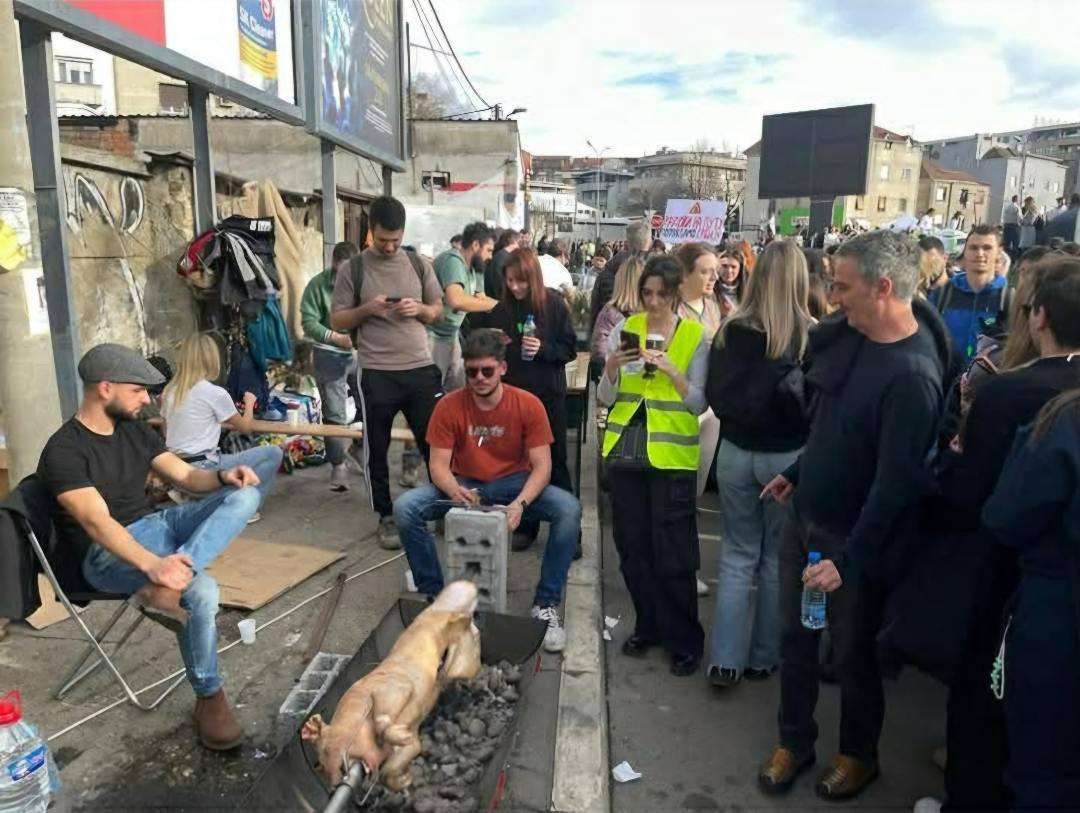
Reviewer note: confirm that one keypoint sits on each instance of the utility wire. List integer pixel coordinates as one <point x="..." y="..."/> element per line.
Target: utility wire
<point x="426" y="23"/>
<point x="454" y="54"/>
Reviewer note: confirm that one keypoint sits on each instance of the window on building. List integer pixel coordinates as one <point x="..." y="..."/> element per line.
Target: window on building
<point x="939" y="194"/>
<point x="901" y="205"/>
<point x="434" y="180"/>
<point x="883" y="173"/>
<point x="74" y="71"/>
<point x="882" y="201"/>
<point x="888" y="145"/>
<point x="860" y="203"/>
<point x="980" y="198"/>
<point x="172" y="98"/>
<point x="905" y="174"/>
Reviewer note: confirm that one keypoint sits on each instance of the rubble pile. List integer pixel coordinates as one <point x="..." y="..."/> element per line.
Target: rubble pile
<point x="459" y="738"/>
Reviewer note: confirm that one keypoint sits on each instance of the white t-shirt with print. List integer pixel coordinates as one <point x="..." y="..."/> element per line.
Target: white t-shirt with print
<point x="195" y="428"/>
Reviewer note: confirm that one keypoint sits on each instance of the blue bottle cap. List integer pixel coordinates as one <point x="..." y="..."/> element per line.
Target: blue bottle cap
<point x="814" y="558"/>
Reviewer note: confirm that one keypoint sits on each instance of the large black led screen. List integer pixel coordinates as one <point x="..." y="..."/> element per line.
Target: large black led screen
<point x="816" y="153"/>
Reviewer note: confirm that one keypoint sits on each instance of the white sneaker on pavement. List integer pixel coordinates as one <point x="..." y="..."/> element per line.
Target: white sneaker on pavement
<point x="927" y="804"/>
<point x="339" y="477"/>
<point x="702" y="588"/>
<point x="555" y="637"/>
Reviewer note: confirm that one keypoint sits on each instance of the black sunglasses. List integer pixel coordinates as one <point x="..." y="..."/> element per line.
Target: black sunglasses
<point x="486" y="372"/>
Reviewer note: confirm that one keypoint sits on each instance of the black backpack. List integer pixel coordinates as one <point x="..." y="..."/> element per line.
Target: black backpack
<point x="356" y="271"/>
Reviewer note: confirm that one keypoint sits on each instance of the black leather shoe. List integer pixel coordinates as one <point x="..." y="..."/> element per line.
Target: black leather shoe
<point x="750" y="673"/>
<point x="684" y="665"/>
<point x="635" y="646"/>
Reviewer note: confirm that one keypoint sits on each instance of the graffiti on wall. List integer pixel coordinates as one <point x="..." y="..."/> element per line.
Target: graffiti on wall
<point x="88" y="205"/>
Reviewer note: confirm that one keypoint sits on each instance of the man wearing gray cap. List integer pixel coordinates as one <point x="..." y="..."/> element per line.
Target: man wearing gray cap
<point x="96" y="465"/>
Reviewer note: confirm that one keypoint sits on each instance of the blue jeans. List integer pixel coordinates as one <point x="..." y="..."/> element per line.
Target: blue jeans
<point x="202" y="529"/>
<point x="751" y="544"/>
<point x="265" y="460"/>
<point x="415" y="508"/>
<point x="332" y="371"/>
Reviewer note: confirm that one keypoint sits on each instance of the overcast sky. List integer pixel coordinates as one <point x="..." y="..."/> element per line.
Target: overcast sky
<point x="636" y="75"/>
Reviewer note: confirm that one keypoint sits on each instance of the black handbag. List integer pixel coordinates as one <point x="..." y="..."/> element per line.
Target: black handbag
<point x="932" y="611"/>
<point x="631" y="452"/>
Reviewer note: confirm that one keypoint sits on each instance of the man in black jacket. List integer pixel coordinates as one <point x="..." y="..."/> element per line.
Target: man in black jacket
<point x="876" y="370"/>
<point x="975" y="724"/>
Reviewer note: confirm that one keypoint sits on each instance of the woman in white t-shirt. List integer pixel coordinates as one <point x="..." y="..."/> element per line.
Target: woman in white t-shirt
<point x="195" y="409"/>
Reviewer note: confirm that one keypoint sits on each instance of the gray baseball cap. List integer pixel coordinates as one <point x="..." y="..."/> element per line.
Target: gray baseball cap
<point x="119" y="364"/>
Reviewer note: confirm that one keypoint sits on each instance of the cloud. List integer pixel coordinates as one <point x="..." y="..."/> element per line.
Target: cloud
<point x="895" y="24"/>
<point x="521" y="14"/>
<point x="688" y="81"/>
<point x="1039" y="80"/>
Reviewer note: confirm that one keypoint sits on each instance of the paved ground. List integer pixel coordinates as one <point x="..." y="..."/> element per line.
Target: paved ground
<point x="699" y="749"/>
<point x="129" y="760"/>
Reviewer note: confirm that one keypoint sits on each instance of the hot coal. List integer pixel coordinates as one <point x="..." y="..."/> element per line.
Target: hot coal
<point x="459" y="738"/>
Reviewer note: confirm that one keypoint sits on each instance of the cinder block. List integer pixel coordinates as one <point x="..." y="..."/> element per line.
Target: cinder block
<point x="476" y="549"/>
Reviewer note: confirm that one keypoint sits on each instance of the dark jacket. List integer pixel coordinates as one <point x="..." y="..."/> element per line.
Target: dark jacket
<point x="759" y="400"/>
<point x="19" y="566"/>
<point x="493" y="274"/>
<point x="866" y="481"/>
<point x="545" y="375"/>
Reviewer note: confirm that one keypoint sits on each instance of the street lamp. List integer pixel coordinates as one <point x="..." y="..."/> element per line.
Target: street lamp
<point x="599" y="169"/>
<point x="517" y="110"/>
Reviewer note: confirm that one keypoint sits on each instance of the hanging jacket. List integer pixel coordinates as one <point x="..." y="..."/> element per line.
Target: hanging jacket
<point x="268" y="336"/>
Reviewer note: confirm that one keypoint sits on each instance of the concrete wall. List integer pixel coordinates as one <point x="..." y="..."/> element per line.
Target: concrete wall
<point x="974" y="213"/>
<point x="127" y="226"/>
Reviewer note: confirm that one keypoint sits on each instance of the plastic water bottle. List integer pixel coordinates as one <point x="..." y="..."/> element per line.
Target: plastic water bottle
<point x="27" y="773"/>
<point x="813" y="601"/>
<point x="528" y="331"/>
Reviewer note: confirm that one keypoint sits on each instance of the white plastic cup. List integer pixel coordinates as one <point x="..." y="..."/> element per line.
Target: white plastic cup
<point x="293" y="415"/>
<point x="247" y="630"/>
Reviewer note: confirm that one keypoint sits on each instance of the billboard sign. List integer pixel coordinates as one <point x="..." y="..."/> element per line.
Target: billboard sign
<point x="694" y="221"/>
<point x="252" y="43"/>
<point x="815" y="153"/>
<point x="355" y="84"/>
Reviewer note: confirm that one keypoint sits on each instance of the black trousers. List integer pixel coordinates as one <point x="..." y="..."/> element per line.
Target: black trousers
<point x="655" y="529"/>
<point x="555" y="407"/>
<point x="975" y="719"/>
<point x="1010" y="237"/>
<point x="386" y="393"/>
<point x="854" y="617"/>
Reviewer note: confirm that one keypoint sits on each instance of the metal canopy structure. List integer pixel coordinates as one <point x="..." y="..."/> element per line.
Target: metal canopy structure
<point x="39" y="18"/>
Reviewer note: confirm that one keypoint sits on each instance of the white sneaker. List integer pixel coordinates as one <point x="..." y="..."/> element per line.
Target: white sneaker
<point x="927" y="805"/>
<point x="339" y="477"/>
<point x="555" y="637"/>
<point x="254" y="518"/>
<point x="702" y="588"/>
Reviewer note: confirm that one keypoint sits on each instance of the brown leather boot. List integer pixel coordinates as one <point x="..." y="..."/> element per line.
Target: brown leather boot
<point x="162" y="604"/>
<point x="778" y="774"/>
<point x="218" y="728"/>
<point x="846" y="778"/>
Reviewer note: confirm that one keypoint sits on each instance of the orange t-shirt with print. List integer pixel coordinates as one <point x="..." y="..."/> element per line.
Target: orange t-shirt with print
<point x="487" y="445"/>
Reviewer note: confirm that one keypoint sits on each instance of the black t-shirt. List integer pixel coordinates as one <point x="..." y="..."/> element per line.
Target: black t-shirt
<point x="116" y="465"/>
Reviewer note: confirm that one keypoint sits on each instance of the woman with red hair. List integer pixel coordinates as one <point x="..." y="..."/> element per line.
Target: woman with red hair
<point x="537" y="364"/>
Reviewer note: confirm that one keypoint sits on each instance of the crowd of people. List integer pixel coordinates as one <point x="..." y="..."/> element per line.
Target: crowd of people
<point x="913" y="419"/>
<point x="880" y="404"/>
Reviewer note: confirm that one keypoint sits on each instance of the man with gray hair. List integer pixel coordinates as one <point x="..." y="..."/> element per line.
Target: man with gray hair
<point x="638" y="238"/>
<point x="877" y="369"/>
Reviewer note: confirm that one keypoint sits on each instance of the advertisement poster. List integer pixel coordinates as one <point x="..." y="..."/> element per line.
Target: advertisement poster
<point x="361" y="90"/>
<point x="254" y="45"/>
<point x="693" y="221"/>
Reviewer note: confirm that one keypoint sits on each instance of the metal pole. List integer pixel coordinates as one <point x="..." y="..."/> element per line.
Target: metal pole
<point x="329" y="199"/>
<point x="387" y="181"/>
<point x="44" y="138"/>
<point x="205" y="193"/>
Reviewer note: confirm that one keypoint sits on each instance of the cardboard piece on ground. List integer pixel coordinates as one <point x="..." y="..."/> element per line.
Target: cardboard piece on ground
<point x="252" y="573"/>
<point x="51" y="610"/>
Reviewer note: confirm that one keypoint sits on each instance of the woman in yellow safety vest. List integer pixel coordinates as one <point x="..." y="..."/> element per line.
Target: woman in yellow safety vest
<point x="654" y="383"/>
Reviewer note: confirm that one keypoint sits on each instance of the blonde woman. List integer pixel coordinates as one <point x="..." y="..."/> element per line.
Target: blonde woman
<point x="754" y="388"/>
<point x="624" y="301"/>
<point x="195" y="410"/>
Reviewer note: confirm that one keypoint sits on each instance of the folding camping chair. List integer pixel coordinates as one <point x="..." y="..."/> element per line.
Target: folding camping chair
<point x="26" y="505"/>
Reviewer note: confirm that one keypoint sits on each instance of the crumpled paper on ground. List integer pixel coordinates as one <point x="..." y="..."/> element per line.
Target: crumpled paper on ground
<point x="624" y="773"/>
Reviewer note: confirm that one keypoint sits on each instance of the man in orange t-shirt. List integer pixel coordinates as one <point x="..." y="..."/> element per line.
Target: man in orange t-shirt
<point x="491" y="444"/>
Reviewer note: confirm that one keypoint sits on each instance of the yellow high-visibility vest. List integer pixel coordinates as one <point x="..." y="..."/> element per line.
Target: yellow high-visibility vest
<point x="672" y="427"/>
